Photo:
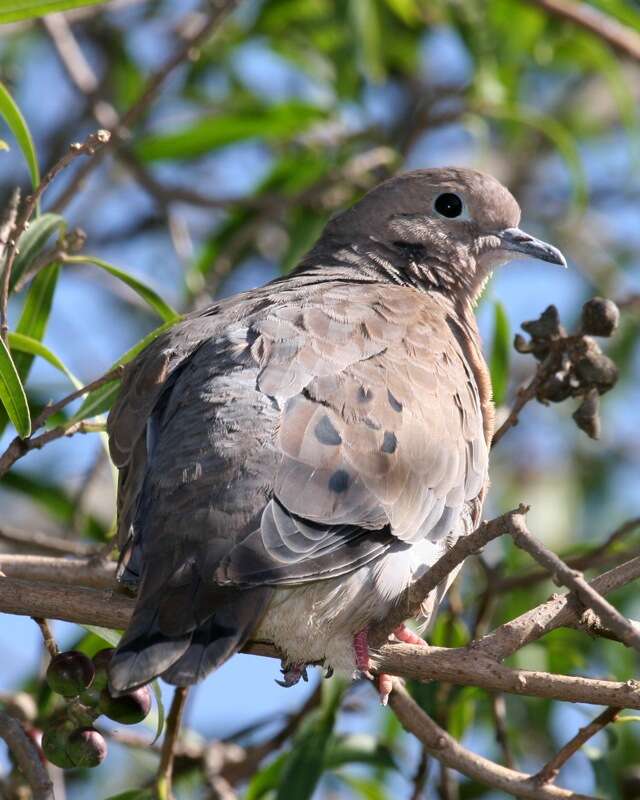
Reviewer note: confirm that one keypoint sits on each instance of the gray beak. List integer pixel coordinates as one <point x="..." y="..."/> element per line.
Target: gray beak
<point x="517" y="241"/>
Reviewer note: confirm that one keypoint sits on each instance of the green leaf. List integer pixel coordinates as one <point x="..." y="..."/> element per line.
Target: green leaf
<point x="12" y="393"/>
<point x="15" y="10"/>
<point x="109" y="636"/>
<point x="100" y="400"/>
<point x="13" y="116"/>
<point x="366" y="26"/>
<point x="357" y="749"/>
<point x="152" y="298"/>
<point x="305" y="763"/>
<point x="33" y="241"/>
<point x="155" y="686"/>
<point x="25" y="344"/>
<point x="500" y="353"/>
<point x="35" y="312"/>
<point x="269" y="123"/>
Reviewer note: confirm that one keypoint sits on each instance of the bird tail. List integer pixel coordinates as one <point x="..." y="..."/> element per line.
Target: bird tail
<point x="178" y="642"/>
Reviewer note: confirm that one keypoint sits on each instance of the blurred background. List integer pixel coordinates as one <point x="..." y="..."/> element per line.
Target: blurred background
<point x="288" y="114"/>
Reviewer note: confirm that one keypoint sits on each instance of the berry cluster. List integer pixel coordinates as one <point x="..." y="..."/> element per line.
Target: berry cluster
<point x="573" y="365"/>
<point x="70" y="740"/>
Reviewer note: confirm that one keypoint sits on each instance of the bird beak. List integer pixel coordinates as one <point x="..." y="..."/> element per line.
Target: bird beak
<point x="517" y="241"/>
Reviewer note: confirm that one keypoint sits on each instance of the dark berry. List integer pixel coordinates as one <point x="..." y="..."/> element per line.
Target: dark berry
<point x="600" y="317"/>
<point x="86" y="747"/>
<point x="129" y="708"/>
<point x="70" y="673"/>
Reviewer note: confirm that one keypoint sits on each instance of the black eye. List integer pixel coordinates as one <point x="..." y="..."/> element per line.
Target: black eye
<point x="449" y="205"/>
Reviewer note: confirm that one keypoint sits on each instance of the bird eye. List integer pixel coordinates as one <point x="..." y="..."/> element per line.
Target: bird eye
<point x="449" y="205"/>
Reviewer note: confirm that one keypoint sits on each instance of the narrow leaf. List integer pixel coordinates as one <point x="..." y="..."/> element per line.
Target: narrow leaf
<point x="100" y="400"/>
<point x="109" y="636"/>
<point x="305" y="763"/>
<point x="133" y="794"/>
<point x="33" y="241"/>
<point x="15" y="10"/>
<point x="268" y="123"/>
<point x="155" y="686"/>
<point x="152" y="298"/>
<point x="25" y="344"/>
<point x="12" y="393"/>
<point x="500" y="350"/>
<point x="16" y="122"/>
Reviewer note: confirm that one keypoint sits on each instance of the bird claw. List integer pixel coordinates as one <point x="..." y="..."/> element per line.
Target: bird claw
<point x="328" y="673"/>
<point x="291" y="674"/>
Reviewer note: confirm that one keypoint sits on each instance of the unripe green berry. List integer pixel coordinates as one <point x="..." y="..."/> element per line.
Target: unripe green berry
<point x="101" y="662"/>
<point x="54" y="744"/>
<point x="70" y="673"/>
<point x="86" y="747"/>
<point x="129" y="708"/>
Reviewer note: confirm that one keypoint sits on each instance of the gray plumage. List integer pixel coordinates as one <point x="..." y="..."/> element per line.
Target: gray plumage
<point x="293" y="457"/>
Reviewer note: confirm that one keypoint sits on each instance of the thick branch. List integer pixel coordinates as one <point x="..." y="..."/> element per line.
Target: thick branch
<point x="449" y="752"/>
<point x="623" y="39"/>
<point x="26" y="755"/>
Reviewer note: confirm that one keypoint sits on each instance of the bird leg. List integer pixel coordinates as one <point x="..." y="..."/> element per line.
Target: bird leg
<point x="291" y="674"/>
<point x="403" y="634"/>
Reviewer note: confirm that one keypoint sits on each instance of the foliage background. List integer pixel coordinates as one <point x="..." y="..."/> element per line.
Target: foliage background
<point x="291" y="112"/>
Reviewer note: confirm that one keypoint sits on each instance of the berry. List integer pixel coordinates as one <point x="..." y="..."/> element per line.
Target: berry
<point x="54" y="744"/>
<point x="86" y="747"/>
<point x="70" y="673"/>
<point x="129" y="708"/>
<point x="600" y="316"/>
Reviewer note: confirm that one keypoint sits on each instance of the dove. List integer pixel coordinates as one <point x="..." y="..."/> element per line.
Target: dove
<point x="294" y="457"/>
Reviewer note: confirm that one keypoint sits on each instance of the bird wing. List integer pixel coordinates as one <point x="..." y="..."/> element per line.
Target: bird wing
<point x="289" y="442"/>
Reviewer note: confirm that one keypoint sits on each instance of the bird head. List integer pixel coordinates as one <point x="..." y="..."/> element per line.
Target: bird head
<point x="463" y="222"/>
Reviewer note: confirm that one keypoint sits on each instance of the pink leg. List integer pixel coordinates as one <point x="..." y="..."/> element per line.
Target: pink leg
<point x="361" y="649"/>
<point x="403" y="634"/>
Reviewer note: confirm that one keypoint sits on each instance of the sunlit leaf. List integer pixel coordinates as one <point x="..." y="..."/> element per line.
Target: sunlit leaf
<point x="33" y="241"/>
<point x="152" y="298"/>
<point x="500" y="353"/>
<point x="100" y="400"/>
<point x="109" y="636"/>
<point x="16" y="10"/>
<point x="133" y="794"/>
<point x="13" y="116"/>
<point x="25" y="344"/>
<point x="268" y="123"/>
<point x="12" y="393"/>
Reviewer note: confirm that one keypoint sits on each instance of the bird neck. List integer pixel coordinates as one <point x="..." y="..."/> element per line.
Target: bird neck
<point x="369" y="259"/>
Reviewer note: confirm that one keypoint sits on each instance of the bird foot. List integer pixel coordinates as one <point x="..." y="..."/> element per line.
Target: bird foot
<point x="361" y="649"/>
<point x="404" y="634"/>
<point x="291" y="674"/>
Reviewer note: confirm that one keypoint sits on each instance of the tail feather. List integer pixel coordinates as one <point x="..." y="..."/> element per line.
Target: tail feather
<point x="149" y="650"/>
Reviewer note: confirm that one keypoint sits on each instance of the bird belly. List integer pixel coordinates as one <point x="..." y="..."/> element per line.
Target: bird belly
<point x="317" y="621"/>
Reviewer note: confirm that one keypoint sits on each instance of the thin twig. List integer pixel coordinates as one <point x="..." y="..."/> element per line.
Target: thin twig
<point x="452" y="754"/>
<point x="19" y="447"/>
<point x="27" y="757"/>
<point x="219" y="11"/>
<point x="47" y="636"/>
<point x="574" y="580"/>
<point x="524" y="395"/>
<point x="7" y="234"/>
<point x="164" y="775"/>
<point x="499" y="714"/>
<point x="552" y="768"/>
<point x="623" y="39"/>
<point x="40" y="541"/>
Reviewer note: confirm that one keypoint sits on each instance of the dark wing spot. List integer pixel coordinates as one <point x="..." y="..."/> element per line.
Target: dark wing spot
<point x="389" y="443"/>
<point x="339" y="481"/>
<point x="364" y="395"/>
<point x="371" y="423"/>
<point x="396" y="405"/>
<point x="326" y="433"/>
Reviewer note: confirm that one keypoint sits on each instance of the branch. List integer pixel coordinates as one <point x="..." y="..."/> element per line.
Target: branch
<point x="575" y="581"/>
<point x="39" y="540"/>
<point x="624" y="40"/>
<point x="524" y="395"/>
<point x="86" y="572"/>
<point x="20" y="447"/>
<point x="164" y="775"/>
<point x="464" y="547"/>
<point x="553" y="767"/>
<point x="219" y="11"/>
<point x="27" y="757"/>
<point x="452" y="754"/>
